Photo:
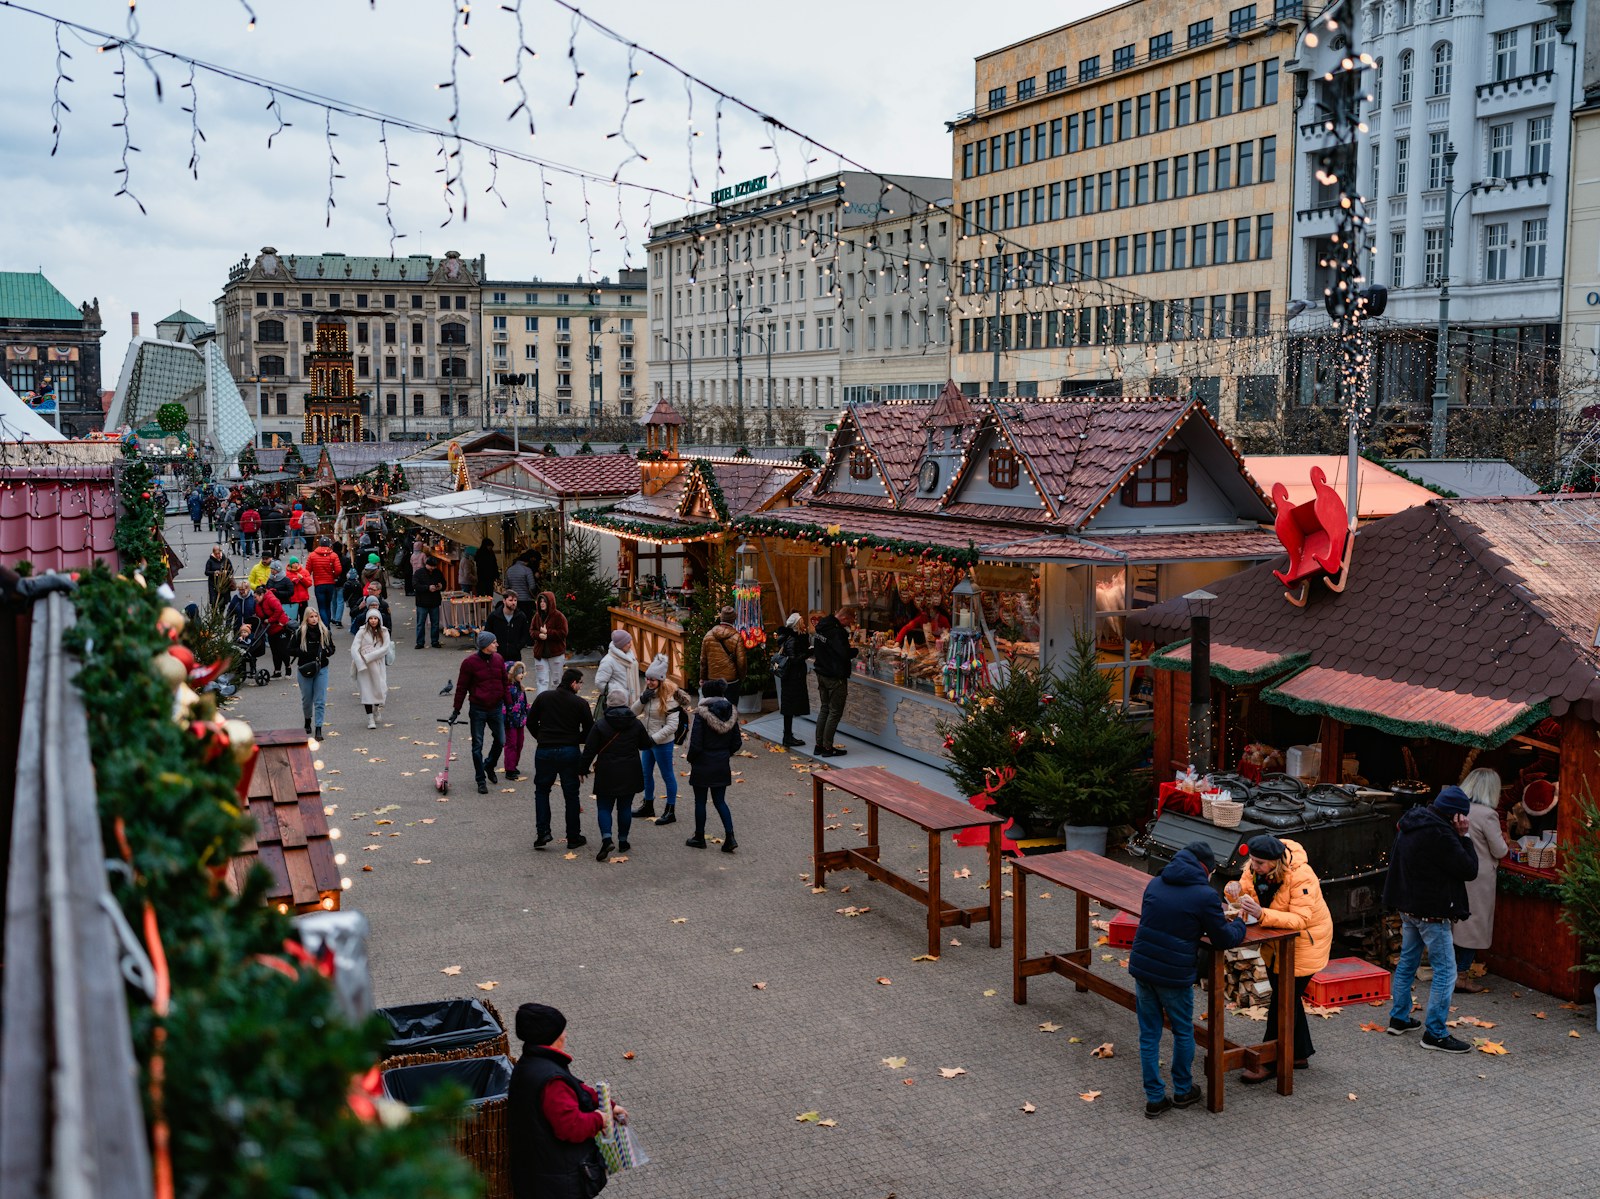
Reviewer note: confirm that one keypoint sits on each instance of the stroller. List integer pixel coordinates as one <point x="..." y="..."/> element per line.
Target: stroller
<point x="251" y="643"/>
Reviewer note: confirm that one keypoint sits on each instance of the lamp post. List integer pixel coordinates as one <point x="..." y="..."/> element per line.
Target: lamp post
<point x="738" y="351"/>
<point x="1441" y="388"/>
<point x="768" y="340"/>
<point x="1200" y="678"/>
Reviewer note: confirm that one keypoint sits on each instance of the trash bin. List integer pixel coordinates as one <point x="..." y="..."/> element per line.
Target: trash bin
<point x="443" y="1030"/>
<point x="479" y="1134"/>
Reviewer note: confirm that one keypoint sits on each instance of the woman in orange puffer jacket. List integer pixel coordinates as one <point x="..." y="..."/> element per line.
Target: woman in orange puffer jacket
<point x="1282" y="891"/>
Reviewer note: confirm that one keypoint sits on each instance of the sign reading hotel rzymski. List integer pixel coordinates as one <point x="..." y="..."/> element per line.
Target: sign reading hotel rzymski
<point x="748" y="188"/>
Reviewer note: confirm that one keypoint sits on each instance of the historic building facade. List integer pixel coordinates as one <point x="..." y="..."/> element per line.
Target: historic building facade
<point x="50" y="346"/>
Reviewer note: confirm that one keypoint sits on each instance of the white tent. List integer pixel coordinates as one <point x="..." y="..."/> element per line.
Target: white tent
<point x="469" y="516"/>
<point x="18" y="422"/>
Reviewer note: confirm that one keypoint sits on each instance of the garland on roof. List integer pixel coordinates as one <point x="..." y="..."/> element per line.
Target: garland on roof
<point x="1162" y="659"/>
<point x="708" y="476"/>
<point x="144" y="513"/>
<point x="627" y="526"/>
<point x="771" y="526"/>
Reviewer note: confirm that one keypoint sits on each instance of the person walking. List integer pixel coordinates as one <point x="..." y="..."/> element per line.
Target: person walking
<point x="619" y="668"/>
<point x="313" y="650"/>
<point x="485" y="568"/>
<point x="1430" y="865"/>
<point x="323" y="566"/>
<point x="241" y="606"/>
<point x="714" y="738"/>
<point x="722" y="655"/>
<point x="402" y="563"/>
<point x="272" y="526"/>
<point x="219" y="577"/>
<point x="228" y="526"/>
<point x="295" y="539"/>
<point x="482" y="680"/>
<point x="261" y="573"/>
<point x="250" y="532"/>
<point x="301" y="596"/>
<point x="369" y="664"/>
<point x="552" y="1118"/>
<point x="429" y="585"/>
<point x="340" y="553"/>
<point x="664" y="708"/>
<point x="613" y="753"/>
<point x="279" y="629"/>
<point x="310" y="528"/>
<point x="520" y="579"/>
<point x="1476" y="932"/>
<point x="197" y="508"/>
<point x="373" y="572"/>
<point x="560" y="721"/>
<point x="1280" y="890"/>
<point x="549" y="640"/>
<point x="794" y="697"/>
<point x="509" y="624"/>
<point x="1179" y="908"/>
<point x="832" y="654"/>
<point x="516" y="714"/>
<point x="419" y="559"/>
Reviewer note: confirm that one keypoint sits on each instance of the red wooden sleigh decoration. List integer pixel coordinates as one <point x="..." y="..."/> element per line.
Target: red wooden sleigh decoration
<point x="1317" y="536"/>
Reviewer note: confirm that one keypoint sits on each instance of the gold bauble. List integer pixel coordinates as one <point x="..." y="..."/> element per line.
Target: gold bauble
<point x="172" y="620"/>
<point x="168" y="669"/>
<point x="241" y="738"/>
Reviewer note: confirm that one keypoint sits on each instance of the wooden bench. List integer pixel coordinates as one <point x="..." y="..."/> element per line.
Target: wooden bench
<point x="935" y="814"/>
<point x="1090" y="876"/>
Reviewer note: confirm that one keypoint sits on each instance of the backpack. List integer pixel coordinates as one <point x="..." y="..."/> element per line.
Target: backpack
<point x="684" y="718"/>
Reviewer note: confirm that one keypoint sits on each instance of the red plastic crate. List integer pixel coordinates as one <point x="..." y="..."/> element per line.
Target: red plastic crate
<point x="1123" y="926"/>
<point x="1345" y="981"/>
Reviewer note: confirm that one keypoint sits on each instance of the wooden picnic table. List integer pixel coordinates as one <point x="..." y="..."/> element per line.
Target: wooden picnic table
<point x="935" y="814"/>
<point x="1090" y="876"/>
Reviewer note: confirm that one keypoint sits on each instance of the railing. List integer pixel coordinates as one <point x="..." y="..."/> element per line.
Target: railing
<point x="563" y="393"/>
<point x="501" y="335"/>
<point x="74" y="1125"/>
<point x="563" y="339"/>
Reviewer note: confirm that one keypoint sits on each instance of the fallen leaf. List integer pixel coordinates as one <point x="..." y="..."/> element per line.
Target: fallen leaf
<point x="386" y="809"/>
<point x="1089" y="1096"/>
<point x="1539" y="1016"/>
<point x="619" y="860"/>
<point x="452" y="971"/>
<point x="926" y="957"/>
<point x="1108" y="957"/>
<point x="366" y="870"/>
<point x="394" y="834"/>
<point x="1029" y="1109"/>
<point x="429" y="757"/>
<point x="1495" y="1048"/>
<point x="569" y="856"/>
<point x="1569" y="1007"/>
<point x="1351" y="1096"/>
<point x="884" y="982"/>
<point x="1474" y="1022"/>
<point x="1327" y="1013"/>
<point x="964" y="872"/>
<point x="488" y="986"/>
<point x="739" y="950"/>
<point x="1074" y="1040"/>
<point x="951" y="1071"/>
<point x="1103" y="941"/>
<point x="1369" y="1026"/>
<point x="422" y="861"/>
<point x="1105" y="1050"/>
<point x="1572" y="1032"/>
<point x="953" y="941"/>
<point x="844" y="890"/>
<point x="808" y="1117"/>
<point x="895" y="1063"/>
<point x="370" y="848"/>
<point x="405" y="774"/>
<point x="680" y="920"/>
<point x="628" y="1056"/>
<point x="376" y="761"/>
<point x="427" y="820"/>
<point x="1253" y="1013"/>
<point x="989" y="992"/>
<point x="758" y="986"/>
<point x="508" y="790"/>
<point x="820" y="1123"/>
<point x="1049" y="1026"/>
<point x="908" y="1082"/>
<point x="1044" y="895"/>
<point x="385" y="822"/>
<point x="852" y="911"/>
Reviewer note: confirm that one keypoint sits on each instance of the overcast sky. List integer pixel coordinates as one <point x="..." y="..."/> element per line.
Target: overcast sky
<point x="875" y="83"/>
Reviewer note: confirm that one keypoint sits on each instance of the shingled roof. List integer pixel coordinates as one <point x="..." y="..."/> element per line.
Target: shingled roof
<point x="1465" y="620"/>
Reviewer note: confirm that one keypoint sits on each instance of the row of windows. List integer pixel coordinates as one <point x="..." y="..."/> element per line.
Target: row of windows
<point x="1501" y="158"/>
<point x="1506" y="47"/>
<point x="1497" y="255"/>
<point x="594" y="298"/>
<point x="336" y="300"/>
<point x="1122" y="120"/>
<point x="28" y="377"/>
<point x="1218" y="169"/>
<point x="799" y="392"/>
<point x="451" y="333"/>
<point x="530" y="353"/>
<point x="1242" y="314"/>
<point x="278" y="405"/>
<point x="273" y="365"/>
<point x="530" y="324"/>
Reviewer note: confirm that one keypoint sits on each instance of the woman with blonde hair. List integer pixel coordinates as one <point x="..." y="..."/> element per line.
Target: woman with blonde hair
<point x="1483" y="830"/>
<point x="664" y="707"/>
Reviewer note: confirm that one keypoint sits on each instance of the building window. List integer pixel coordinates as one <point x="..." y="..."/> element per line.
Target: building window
<point x="271" y="331"/>
<point x="499" y="323"/>
<point x="1436" y="152"/>
<point x="1242" y="20"/>
<point x="1505" y="55"/>
<point x="305" y="331"/>
<point x="1162" y="482"/>
<point x="1496" y="243"/>
<point x="261" y="299"/>
<point x="860" y="464"/>
<point x="1407" y="62"/>
<point x="1544" y="46"/>
<point x="1199" y="33"/>
<point x="1003" y="468"/>
<point x="452" y="333"/>
<point x="453" y="368"/>
<point x="1088" y="68"/>
<point x="1269" y="159"/>
<point x="1432" y="256"/>
<point x="1402" y="165"/>
<point x="1500" y="151"/>
<point x="1539" y="146"/>
<point x="271" y="364"/>
<point x="1122" y="58"/>
<point x="416" y="301"/>
<point x="1442" y="59"/>
<point x="997" y="97"/>
<point x="1055" y="79"/>
<point x="1024" y="89"/>
<point x="1535" y="236"/>
<point x="1161" y="45"/>
<point x="1397" y="260"/>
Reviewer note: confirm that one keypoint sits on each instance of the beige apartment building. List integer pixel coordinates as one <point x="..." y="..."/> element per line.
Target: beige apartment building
<point x="411" y="329"/>
<point x="563" y="356"/>
<point x="1123" y="192"/>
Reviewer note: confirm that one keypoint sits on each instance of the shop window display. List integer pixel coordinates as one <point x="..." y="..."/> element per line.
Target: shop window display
<point x="1119" y="591"/>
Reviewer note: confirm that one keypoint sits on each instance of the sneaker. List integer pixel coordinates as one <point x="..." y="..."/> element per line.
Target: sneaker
<point x="696" y="842"/>
<point x="542" y="840"/>
<point x="668" y="816"/>
<point x="1152" y="1110"/>
<point x="1189" y="1098"/>
<point x="488" y="772"/>
<point x="1399" y="1028"/>
<point x="605" y="850"/>
<point x="1445" y="1044"/>
<point x="372" y="721"/>
<point x="574" y="842"/>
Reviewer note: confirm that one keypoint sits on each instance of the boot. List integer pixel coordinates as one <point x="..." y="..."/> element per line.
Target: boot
<point x="372" y="721"/>
<point x="308" y="728"/>
<point x="319" y="733"/>
<point x="698" y="841"/>
<point x="646" y="810"/>
<point x="668" y="816"/>
<point x="729" y="844"/>
<point x="605" y="850"/>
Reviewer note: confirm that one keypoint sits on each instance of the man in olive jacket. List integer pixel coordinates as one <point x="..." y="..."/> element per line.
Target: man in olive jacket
<point x="722" y="655"/>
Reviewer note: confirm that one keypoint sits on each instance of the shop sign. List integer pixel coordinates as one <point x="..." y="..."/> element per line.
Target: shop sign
<point x="748" y="188"/>
<point x="990" y="576"/>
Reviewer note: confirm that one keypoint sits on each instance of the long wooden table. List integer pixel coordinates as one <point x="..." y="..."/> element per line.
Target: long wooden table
<point x="1090" y="876"/>
<point x="935" y="814"/>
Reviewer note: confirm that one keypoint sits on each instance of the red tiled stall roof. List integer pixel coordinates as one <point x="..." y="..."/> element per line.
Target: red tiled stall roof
<point x="1412" y="709"/>
<point x="58" y="523"/>
<point x="1231" y="663"/>
<point x="586" y="474"/>
<point x="1448" y="596"/>
<point x="1223" y="545"/>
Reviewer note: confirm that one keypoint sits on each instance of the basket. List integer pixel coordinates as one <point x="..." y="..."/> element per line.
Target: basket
<point x="1208" y="803"/>
<point x="479" y="1133"/>
<point x="1226" y="813"/>
<point x="478" y="1031"/>
<point x="1542" y="857"/>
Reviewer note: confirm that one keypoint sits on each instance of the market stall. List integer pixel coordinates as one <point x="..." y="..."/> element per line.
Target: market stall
<point x="462" y="519"/>
<point x="1464" y="638"/>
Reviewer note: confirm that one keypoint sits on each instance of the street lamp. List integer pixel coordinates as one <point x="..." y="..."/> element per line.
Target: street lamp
<point x="405" y="404"/>
<point x="1200" y="678"/>
<point x="738" y="350"/>
<point x="768" y="340"/>
<point x="1441" y="393"/>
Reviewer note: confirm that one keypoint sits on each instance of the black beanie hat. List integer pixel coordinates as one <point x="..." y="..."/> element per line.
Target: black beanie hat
<point x="1267" y="847"/>
<point x="540" y="1024"/>
<point x="1202" y="851"/>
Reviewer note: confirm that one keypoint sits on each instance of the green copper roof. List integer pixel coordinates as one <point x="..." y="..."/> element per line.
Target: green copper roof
<point x="29" y="296"/>
<point x="180" y="317"/>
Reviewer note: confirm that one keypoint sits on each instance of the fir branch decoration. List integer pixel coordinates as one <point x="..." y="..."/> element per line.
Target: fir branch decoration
<point x="143" y="515"/>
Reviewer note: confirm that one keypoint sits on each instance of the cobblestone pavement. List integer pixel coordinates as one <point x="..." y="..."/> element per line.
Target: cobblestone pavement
<point x="659" y="956"/>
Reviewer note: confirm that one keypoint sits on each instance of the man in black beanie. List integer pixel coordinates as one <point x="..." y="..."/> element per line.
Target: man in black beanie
<point x="553" y="1117"/>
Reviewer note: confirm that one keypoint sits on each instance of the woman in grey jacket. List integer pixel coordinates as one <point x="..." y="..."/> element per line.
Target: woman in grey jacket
<point x="664" y="707"/>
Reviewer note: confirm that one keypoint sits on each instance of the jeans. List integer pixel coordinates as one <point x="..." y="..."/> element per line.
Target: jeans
<point x="1178" y="1004"/>
<point x="1436" y="935"/>
<point x="831" y="695"/>
<point x="561" y="762"/>
<point x="1464" y="960"/>
<point x="603" y="805"/>
<point x="325" y="594"/>
<point x="424" y="617"/>
<point x="661" y="757"/>
<point x="494" y="720"/>
<point x="1303" y="1048"/>
<point x="338" y="603"/>
<point x="313" y="695"/>
<point x="249" y="544"/>
<point x="719" y="798"/>
<point x="547" y="673"/>
<point x="514" y="739"/>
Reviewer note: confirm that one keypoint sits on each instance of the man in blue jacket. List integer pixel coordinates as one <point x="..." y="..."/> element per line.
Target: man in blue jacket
<point x="1180" y="908"/>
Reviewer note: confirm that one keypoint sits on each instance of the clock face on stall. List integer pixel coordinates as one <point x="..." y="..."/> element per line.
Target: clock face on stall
<point x="929" y="478"/>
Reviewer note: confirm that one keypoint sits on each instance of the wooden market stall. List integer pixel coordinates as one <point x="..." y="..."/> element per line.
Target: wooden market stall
<point x="1057" y="514"/>
<point x="1464" y="637"/>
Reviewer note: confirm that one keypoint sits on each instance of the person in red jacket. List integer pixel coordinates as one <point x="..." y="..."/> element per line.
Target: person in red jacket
<point x="270" y="609"/>
<point x="301" y="578"/>
<point x="547" y="635"/>
<point x="554" y="1117"/>
<point x="323" y="564"/>
<point x="483" y="680"/>
<point x="249" y="531"/>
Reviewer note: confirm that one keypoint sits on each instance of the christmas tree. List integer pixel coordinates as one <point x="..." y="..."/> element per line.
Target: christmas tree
<point x="144" y="514"/>
<point x="583" y="594"/>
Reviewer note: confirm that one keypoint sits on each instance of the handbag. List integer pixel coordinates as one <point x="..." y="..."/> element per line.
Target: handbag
<point x="310" y="670"/>
<point x="780" y="665"/>
<point x="388" y="654"/>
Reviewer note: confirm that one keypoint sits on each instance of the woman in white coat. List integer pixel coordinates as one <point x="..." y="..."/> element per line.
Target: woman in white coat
<point x="619" y="668"/>
<point x="1476" y="932"/>
<point x="369" y="664"/>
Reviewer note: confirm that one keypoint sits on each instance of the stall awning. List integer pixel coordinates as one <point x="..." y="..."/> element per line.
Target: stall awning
<point x="1197" y="545"/>
<point x="1231" y="664"/>
<point x="1406" y="709"/>
<point x="468" y="516"/>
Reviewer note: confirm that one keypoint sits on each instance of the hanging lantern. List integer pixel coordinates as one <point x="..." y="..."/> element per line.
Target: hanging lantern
<point x="965" y="673"/>
<point x="747" y="618"/>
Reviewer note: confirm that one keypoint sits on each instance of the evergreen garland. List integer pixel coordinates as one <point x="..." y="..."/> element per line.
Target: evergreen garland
<point x="772" y="526"/>
<point x="143" y="515"/>
<point x="809" y="457"/>
<point x="258" y="1061"/>
<point x="398" y="480"/>
<point x="627" y="526"/>
<point x="708" y="476"/>
<point x="248" y="465"/>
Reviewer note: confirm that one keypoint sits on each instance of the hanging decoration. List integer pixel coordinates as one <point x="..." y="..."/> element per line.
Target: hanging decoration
<point x="143" y="515"/>
<point x="772" y="526"/>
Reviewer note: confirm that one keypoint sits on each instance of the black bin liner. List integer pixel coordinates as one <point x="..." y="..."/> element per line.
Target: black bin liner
<point x="483" y="1078"/>
<point x="438" y="1026"/>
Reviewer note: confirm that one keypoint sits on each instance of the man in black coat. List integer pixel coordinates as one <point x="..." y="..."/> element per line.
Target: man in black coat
<point x="429" y="585"/>
<point x="832" y="654"/>
<point x="553" y="1118"/>
<point x="612" y="753"/>
<point x="510" y="626"/>
<point x="559" y="721"/>
<point x="1429" y="868"/>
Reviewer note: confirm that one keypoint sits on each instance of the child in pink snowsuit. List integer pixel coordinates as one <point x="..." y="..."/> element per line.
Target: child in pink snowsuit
<point x="516" y="717"/>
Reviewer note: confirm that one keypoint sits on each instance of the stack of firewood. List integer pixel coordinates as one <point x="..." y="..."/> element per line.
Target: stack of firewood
<point x="1245" y="979"/>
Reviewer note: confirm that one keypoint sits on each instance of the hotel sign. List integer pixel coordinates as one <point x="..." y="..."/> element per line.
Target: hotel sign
<point x="748" y="188"/>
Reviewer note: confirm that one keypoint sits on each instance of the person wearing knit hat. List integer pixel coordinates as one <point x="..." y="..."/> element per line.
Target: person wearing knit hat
<point x="664" y="707"/>
<point x="614" y="752"/>
<point x="1430" y="864"/>
<point x="552" y="1116"/>
<point x="1278" y="889"/>
<point x="619" y="668"/>
<point x="481" y="683"/>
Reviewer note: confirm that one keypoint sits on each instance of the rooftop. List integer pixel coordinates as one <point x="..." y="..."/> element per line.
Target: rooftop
<point x="29" y="296"/>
